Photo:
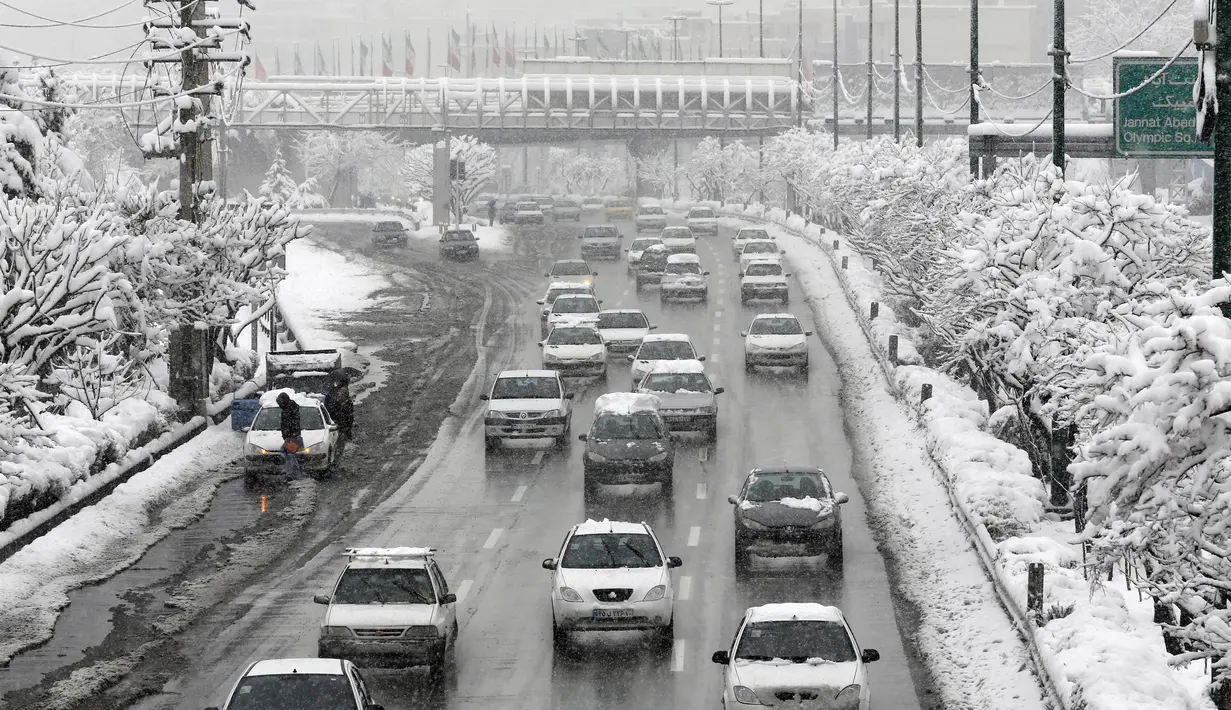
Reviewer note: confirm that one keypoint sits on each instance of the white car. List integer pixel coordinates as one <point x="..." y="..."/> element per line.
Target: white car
<point x="687" y="398"/>
<point x="623" y="329"/>
<point x="391" y="608"/>
<point x="527" y="404"/>
<point x="776" y="340"/>
<point x="263" y="442"/>
<point x="657" y="347"/>
<point x="763" y="279"/>
<point x="684" y="279"/>
<point x="679" y="240"/>
<point x="555" y="290"/>
<point x="612" y="576"/>
<point x="592" y="204"/>
<point x="744" y="235"/>
<point x="574" y="308"/>
<point x="702" y="219"/>
<point x="329" y="681"/>
<point x="637" y="248"/>
<point x="759" y="249"/>
<point x="573" y="271"/>
<point x="804" y="654"/>
<point x="528" y="213"/>
<point x="650" y="217"/>
<point x="575" y="349"/>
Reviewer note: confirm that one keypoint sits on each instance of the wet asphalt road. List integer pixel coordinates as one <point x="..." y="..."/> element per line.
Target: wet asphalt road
<point x="495" y="517"/>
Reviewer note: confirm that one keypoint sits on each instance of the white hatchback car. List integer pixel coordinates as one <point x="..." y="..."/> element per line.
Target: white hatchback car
<point x="612" y="576"/>
<point x="662" y="346"/>
<point x="301" y="682"/>
<point x="572" y="308"/>
<point x="744" y="235"/>
<point x="637" y="248"/>
<point x="679" y="240"/>
<point x="776" y="340"/>
<point x="702" y="219"/>
<point x="801" y="654"/>
<point x="623" y="329"/>
<point x="555" y="290"/>
<point x="759" y="249"/>
<point x="684" y="279"/>
<point x="763" y="279"/>
<point x="650" y="217"/>
<point x="527" y="404"/>
<point x="575" y="349"/>
<point x="263" y="442"/>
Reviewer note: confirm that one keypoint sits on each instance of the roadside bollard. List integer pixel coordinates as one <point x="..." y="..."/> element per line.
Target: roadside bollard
<point x="844" y="263"/>
<point x="893" y="349"/>
<point x="876" y="309"/>
<point x="925" y="393"/>
<point x="1034" y="590"/>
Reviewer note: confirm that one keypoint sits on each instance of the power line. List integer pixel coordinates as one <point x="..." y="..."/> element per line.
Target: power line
<point x="1126" y="44"/>
<point x="98" y="59"/>
<point x="1137" y="88"/>
<point x="67" y="23"/>
<point x="130" y="104"/>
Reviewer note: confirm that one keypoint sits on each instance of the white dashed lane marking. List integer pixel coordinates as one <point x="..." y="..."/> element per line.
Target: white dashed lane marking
<point x="703" y="454"/>
<point x="493" y="538"/>
<point x="714" y="357"/>
<point x="702" y="491"/>
<point x="717" y="327"/>
<point x="694" y="536"/>
<point x="538" y="457"/>
<point x="463" y="589"/>
<point x="518" y="494"/>
<point x="677" y="656"/>
<point x="685" y="589"/>
<point x="718" y="314"/>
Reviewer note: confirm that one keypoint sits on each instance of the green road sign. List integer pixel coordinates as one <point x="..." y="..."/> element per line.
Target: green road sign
<point x="1160" y="120"/>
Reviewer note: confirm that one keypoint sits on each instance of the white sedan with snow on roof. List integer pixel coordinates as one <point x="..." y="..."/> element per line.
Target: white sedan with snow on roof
<point x="527" y="404"/>
<point x="612" y="576"/>
<point x="746" y="234"/>
<point x="263" y="442"/>
<point x="803" y="655"/>
<point x="776" y="340"/>
<point x="661" y="346"/>
<point x="575" y="349"/>
<point x="684" y="279"/>
<point x="763" y="279"/>
<point x="759" y="249"/>
<point x="320" y="682"/>
<point x="623" y="329"/>
<point x="687" y="398"/>
<point x="679" y="240"/>
<point x="702" y="219"/>
<point x="574" y="309"/>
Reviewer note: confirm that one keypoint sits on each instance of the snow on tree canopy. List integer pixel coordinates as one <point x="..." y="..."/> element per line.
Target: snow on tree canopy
<point x="625" y="403"/>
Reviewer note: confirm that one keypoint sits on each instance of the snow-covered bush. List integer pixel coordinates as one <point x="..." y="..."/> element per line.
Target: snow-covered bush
<point x="417" y="170"/>
<point x="723" y="173"/>
<point x="658" y="169"/>
<point x="364" y="161"/>
<point x="278" y="185"/>
<point x="307" y="196"/>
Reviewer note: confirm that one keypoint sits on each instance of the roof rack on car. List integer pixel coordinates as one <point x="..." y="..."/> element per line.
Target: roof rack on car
<point x="390" y="552"/>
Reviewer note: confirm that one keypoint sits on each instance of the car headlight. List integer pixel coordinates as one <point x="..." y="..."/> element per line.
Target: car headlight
<point x="753" y="347"/>
<point x="659" y="457"/>
<point x="554" y="413"/>
<point x="335" y="631"/>
<point x="595" y="457"/>
<point x="754" y="525"/>
<point x="745" y="696"/>
<point x="656" y="593"/>
<point x="258" y="451"/>
<point x="547" y="357"/>
<point x="493" y="414"/>
<point x="848" y="699"/>
<point x="596" y="357"/>
<point x="709" y="409"/>
<point x="798" y="348"/>
<point x="569" y="594"/>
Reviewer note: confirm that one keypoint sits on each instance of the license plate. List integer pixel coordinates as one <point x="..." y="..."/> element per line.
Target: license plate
<point x="612" y="614"/>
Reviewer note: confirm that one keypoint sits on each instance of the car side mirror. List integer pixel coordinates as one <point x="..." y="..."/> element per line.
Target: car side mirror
<point x="741" y="274"/>
<point x="570" y="395"/>
<point x="673" y="562"/>
<point x="632" y="358"/>
<point x="701" y="358"/>
<point x="705" y="273"/>
<point x="870" y="655"/>
<point x="449" y="599"/>
<point x="541" y="343"/>
<point x="539" y="302"/>
<point x="842" y="498"/>
<point x="782" y="252"/>
<point x="722" y="658"/>
<point x="594" y="273"/>
<point x="743" y="334"/>
<point x="484" y="398"/>
<point x="808" y="333"/>
<point x="720" y="390"/>
<point x="653" y="327"/>
<point x="549" y="563"/>
<point x="442" y="239"/>
<point x="581" y="237"/>
<point x="321" y="599"/>
<point x="733" y="500"/>
<point x="583" y="437"/>
<point x="248" y="428"/>
<point x="600" y="301"/>
<point x="548" y="276"/>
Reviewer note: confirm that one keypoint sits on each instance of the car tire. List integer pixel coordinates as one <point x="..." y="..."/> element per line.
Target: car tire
<point x="666" y="636"/>
<point x="748" y="367"/>
<point x="559" y="639"/>
<point x="804" y="369"/>
<point x="711" y="430"/>
<point x="743" y="299"/>
<point x="491" y="443"/>
<point x="786" y="300"/>
<point x="742" y="559"/>
<point x="669" y="486"/>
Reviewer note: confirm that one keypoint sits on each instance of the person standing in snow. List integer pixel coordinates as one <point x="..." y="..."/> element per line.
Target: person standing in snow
<point x="341" y="408"/>
<point x="491" y="212"/>
<point x="292" y="437"/>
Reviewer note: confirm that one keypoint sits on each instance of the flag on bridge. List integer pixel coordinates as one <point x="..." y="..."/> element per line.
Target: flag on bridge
<point x="474" y="65"/>
<point x="298" y="61"/>
<point x="320" y="67"/>
<point x="455" y="50"/>
<point x="510" y="58"/>
<point x="386" y="55"/>
<point x="546" y="47"/>
<point x="277" y="62"/>
<point x="258" y="69"/>
<point x="410" y="56"/>
<point x="602" y="46"/>
<point x="496" y="46"/>
<point x="363" y="55"/>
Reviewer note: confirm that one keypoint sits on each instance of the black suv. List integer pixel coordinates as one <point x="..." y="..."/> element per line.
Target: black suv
<point x="459" y="244"/>
<point x="787" y="512"/>
<point x="389" y="233"/>
<point x="629" y="442"/>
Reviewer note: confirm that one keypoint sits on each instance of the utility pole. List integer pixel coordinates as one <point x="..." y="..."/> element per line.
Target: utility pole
<point x="719" y="4"/>
<point x="836" y="79"/>
<point x="897" y="70"/>
<point x="1222" y="148"/>
<point x="974" y="78"/>
<point x="872" y="68"/>
<point x="675" y="34"/>
<point x="799" y="75"/>
<point x="919" y="73"/>
<point x="761" y="24"/>
<point x="195" y="148"/>
<point x="1059" y="57"/>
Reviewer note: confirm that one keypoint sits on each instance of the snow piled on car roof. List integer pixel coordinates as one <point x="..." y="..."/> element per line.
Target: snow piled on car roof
<point x="625" y="403"/>
<point x="677" y="367"/>
<point x="802" y="611"/>
<point x="592" y="527"/>
<point x="270" y="398"/>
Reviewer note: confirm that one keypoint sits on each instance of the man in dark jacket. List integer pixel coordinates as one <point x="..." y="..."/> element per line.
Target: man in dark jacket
<point x="292" y="437"/>
<point x="341" y="408"/>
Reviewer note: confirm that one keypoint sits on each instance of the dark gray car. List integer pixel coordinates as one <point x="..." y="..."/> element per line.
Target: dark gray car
<point x="628" y="447"/>
<point x="787" y="512"/>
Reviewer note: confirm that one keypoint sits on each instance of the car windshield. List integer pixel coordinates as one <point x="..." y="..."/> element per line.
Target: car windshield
<point x="666" y="350"/>
<point x="527" y="206"/>
<point x="384" y="585"/>
<point x="600" y="232"/>
<point x="677" y="233"/>
<point x="643" y="244"/>
<point x="640" y="425"/>
<point x="270" y="419"/>
<point x="575" y="305"/>
<point x="526" y="388"/>
<point x="775" y="326"/>
<point x="611" y="551"/>
<point x="687" y="267"/>
<point x="760" y="248"/>
<point x="301" y="691"/>
<point x="796" y="641"/>
<point x="677" y="382"/>
<point x="555" y="293"/>
<point x="620" y="203"/>
<point x="388" y="226"/>
<point x="701" y="213"/>
<point x="459" y="236"/>
<point x="763" y="270"/>
<point x="622" y="320"/>
<point x="574" y="336"/>
<point x="651" y="210"/>
<point x="566" y="203"/>
<point x="752" y="234"/>
<point x="768" y="487"/>
<point x="570" y="268"/>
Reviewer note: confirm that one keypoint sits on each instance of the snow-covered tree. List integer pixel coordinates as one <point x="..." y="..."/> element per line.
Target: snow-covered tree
<point x="479" y="158"/>
<point x="21" y="140"/>
<point x="307" y="196"/>
<point x="416" y="172"/>
<point x="1158" y="399"/>
<point x="349" y="160"/>
<point x="278" y="185"/>
<point x="715" y="172"/>
<point x="658" y="169"/>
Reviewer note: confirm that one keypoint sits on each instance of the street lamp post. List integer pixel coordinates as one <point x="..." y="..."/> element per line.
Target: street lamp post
<point x="761" y="24"/>
<point x="719" y="4"/>
<point x="675" y="21"/>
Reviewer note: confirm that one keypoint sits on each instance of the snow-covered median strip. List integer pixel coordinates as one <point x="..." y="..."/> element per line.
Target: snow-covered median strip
<point x="1098" y="646"/>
